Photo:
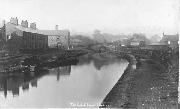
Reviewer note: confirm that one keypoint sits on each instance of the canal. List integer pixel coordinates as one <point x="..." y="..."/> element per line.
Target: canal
<point x="85" y="84"/>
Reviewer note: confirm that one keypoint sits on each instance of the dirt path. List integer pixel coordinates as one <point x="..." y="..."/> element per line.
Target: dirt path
<point x="150" y="85"/>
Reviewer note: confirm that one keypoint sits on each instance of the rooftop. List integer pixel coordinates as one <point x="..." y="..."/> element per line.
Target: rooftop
<point x="53" y="32"/>
<point x="170" y="37"/>
<point x="45" y="32"/>
<point x="157" y="44"/>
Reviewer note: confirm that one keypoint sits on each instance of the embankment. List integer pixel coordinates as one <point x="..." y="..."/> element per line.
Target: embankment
<point x="150" y="85"/>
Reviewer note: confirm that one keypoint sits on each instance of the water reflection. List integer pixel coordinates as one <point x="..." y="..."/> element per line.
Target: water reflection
<point x="12" y="83"/>
<point x="60" y="71"/>
<point x="99" y="60"/>
<point x="87" y="81"/>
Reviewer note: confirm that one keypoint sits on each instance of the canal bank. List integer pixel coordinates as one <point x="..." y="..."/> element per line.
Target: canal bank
<point x="17" y="62"/>
<point x="150" y="85"/>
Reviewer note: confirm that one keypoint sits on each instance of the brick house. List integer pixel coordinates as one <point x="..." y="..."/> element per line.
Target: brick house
<point x="171" y="40"/>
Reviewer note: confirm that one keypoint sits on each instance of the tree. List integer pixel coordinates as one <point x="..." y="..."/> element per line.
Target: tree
<point x="99" y="37"/>
<point x="155" y="38"/>
<point x="140" y="37"/>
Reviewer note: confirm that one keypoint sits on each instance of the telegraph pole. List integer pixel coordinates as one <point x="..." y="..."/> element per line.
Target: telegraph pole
<point x="4" y="30"/>
<point x="3" y="33"/>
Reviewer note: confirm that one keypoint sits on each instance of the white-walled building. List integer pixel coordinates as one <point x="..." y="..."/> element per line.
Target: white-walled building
<point x="57" y="38"/>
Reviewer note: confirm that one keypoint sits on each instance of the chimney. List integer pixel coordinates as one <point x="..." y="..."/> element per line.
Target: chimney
<point x="14" y="21"/>
<point x="56" y="27"/>
<point x="24" y="23"/>
<point x="33" y="25"/>
<point x="3" y="22"/>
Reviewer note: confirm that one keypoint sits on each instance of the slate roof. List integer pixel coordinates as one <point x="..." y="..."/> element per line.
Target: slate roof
<point x="12" y="28"/>
<point x="170" y="37"/>
<point x="157" y="44"/>
<point x="54" y="32"/>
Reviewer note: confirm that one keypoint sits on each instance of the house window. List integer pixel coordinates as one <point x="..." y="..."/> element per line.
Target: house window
<point x="8" y="37"/>
<point x="58" y="37"/>
<point x="169" y="42"/>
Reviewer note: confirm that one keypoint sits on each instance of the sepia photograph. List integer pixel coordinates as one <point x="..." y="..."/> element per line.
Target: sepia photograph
<point x="89" y="54"/>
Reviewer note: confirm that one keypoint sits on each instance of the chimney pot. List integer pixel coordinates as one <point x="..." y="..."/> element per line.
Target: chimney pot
<point x="57" y="27"/>
<point x="14" y="21"/>
<point x="24" y="23"/>
<point x="33" y="25"/>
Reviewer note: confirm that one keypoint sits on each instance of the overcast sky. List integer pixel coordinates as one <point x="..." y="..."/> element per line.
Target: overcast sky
<point x="115" y="16"/>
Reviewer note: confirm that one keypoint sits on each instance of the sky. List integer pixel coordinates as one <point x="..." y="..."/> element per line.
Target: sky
<point x="111" y="16"/>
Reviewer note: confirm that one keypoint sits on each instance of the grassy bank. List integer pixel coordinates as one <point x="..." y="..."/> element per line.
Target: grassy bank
<point x="152" y="84"/>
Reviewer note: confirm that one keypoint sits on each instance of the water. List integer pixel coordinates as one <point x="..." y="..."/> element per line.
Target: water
<point x="83" y="85"/>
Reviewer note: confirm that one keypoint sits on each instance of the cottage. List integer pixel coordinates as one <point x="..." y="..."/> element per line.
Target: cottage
<point x="171" y="40"/>
<point x="57" y="38"/>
